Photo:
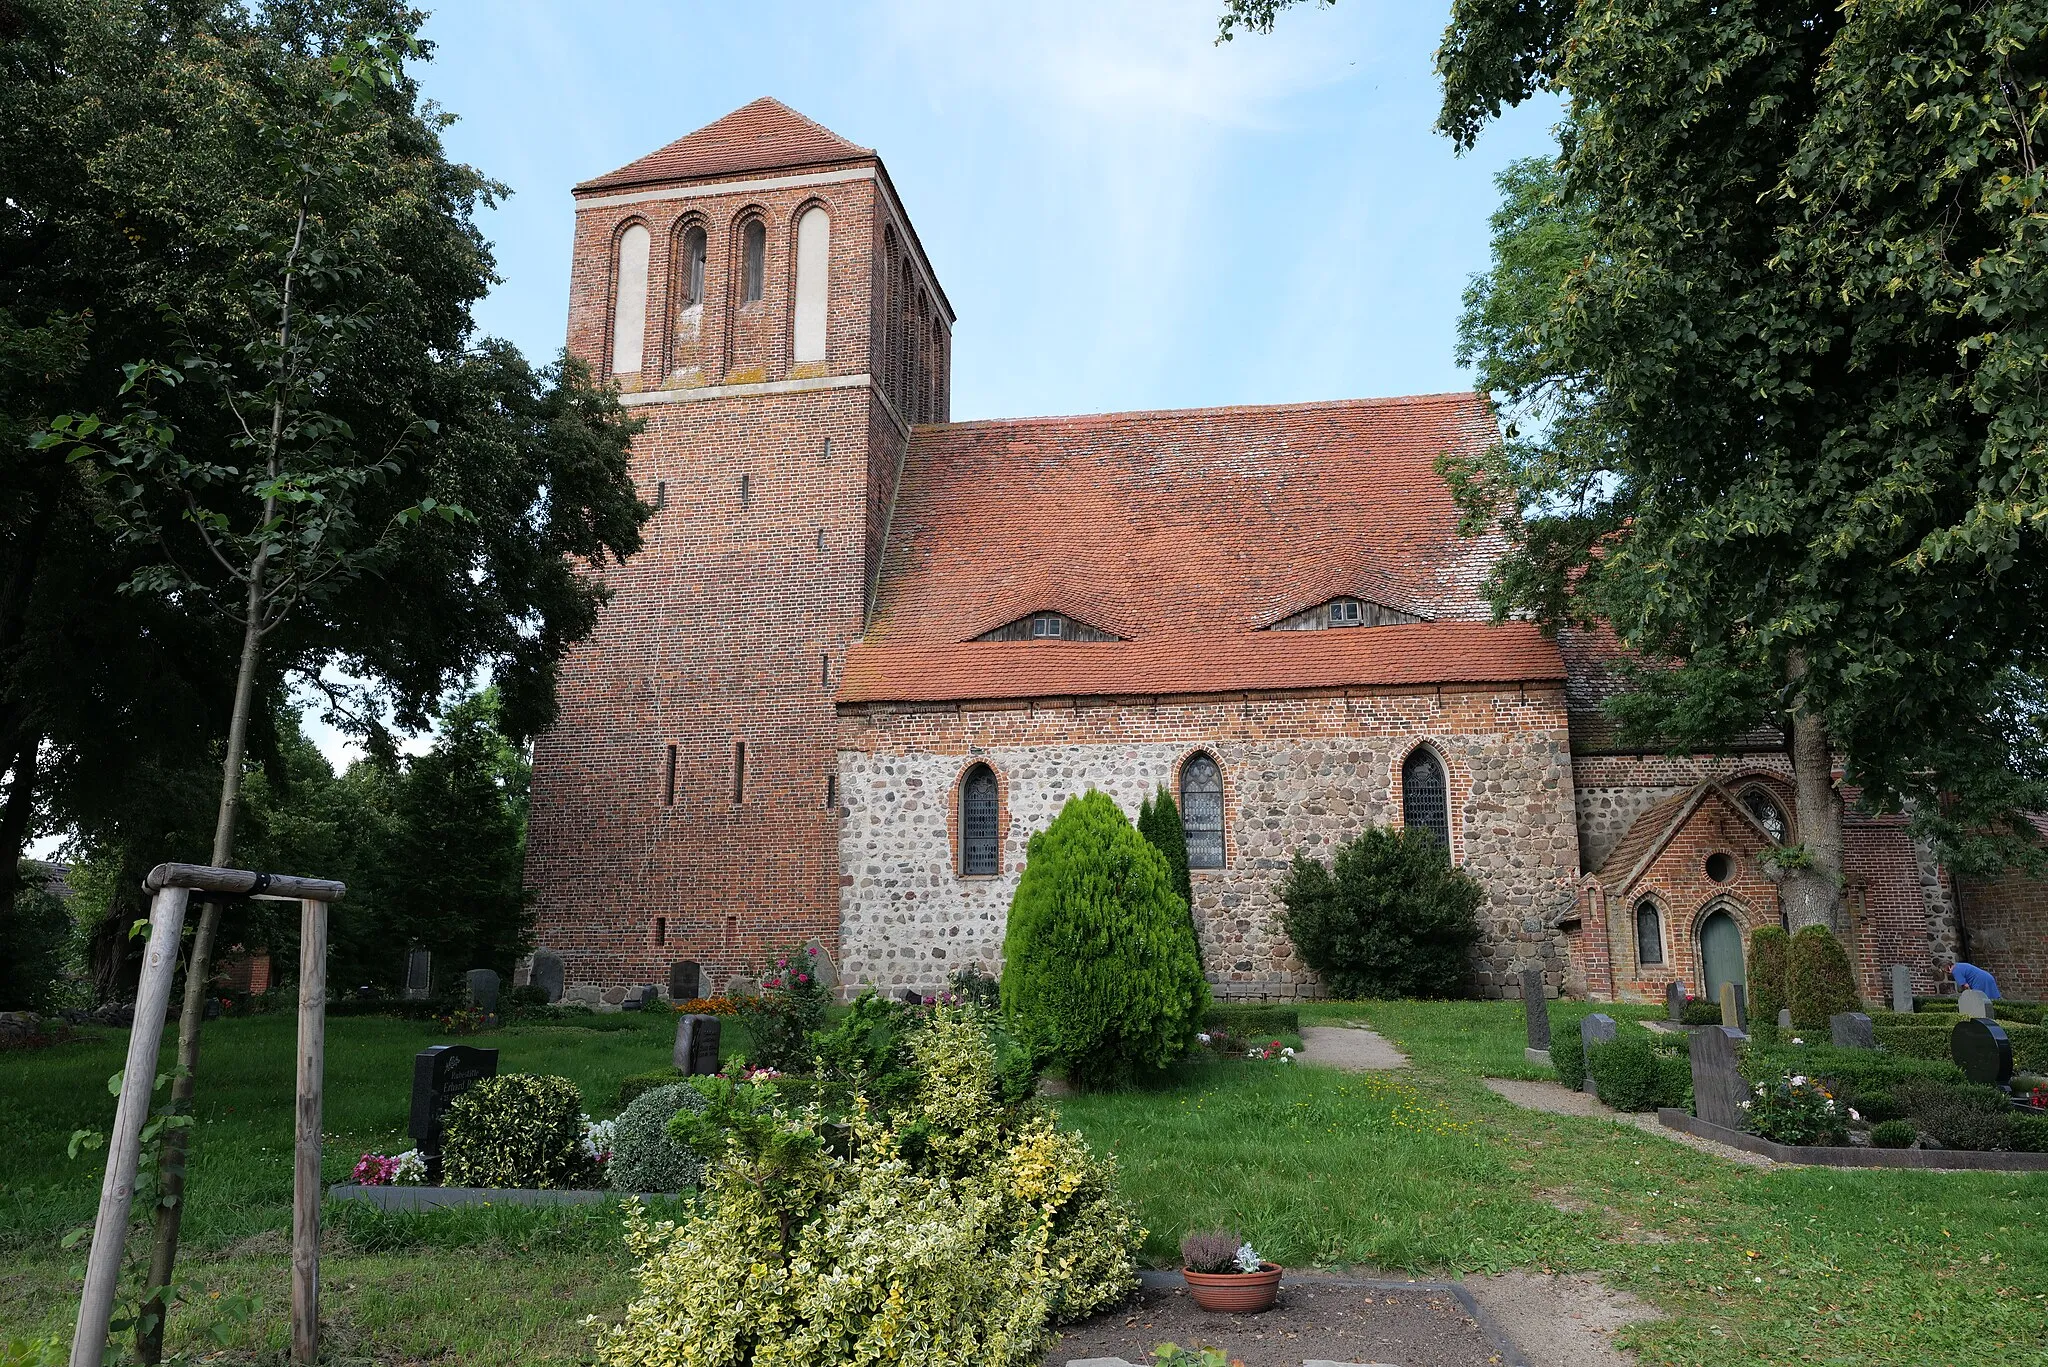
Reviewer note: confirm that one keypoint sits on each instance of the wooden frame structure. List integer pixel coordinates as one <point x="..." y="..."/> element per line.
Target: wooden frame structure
<point x="171" y="887"/>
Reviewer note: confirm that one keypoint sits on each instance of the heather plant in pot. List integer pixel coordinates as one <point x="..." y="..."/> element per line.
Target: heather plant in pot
<point x="1225" y="1273"/>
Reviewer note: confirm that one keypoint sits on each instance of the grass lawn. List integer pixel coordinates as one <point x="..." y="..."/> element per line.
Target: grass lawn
<point x="1422" y="1171"/>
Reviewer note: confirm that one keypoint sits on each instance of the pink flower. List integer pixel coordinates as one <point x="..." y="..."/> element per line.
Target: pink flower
<point x="811" y="949"/>
<point x="803" y="977"/>
<point x="782" y="963"/>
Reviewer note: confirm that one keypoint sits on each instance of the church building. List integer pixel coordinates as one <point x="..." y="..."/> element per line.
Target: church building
<point x="867" y="651"/>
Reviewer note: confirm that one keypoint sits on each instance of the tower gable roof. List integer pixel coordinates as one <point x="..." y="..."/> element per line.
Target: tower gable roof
<point x="766" y="135"/>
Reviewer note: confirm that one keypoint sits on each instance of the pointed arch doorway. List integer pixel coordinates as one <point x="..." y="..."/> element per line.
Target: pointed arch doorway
<point x="1721" y="954"/>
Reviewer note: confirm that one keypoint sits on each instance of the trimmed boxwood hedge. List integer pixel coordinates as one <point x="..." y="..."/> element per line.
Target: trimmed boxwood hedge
<point x="1252" y="1021"/>
<point x="1819" y="982"/>
<point x="1632" y="1074"/>
<point x="1770" y="962"/>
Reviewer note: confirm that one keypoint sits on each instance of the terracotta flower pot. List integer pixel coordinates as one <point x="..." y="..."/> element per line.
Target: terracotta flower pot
<point x="1236" y="1293"/>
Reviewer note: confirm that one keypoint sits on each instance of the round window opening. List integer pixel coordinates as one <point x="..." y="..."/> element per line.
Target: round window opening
<point x="1720" y="867"/>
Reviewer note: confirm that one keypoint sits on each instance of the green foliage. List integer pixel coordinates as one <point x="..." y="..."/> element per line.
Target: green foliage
<point x="1770" y="967"/>
<point x="1100" y="971"/>
<point x="1959" y="1115"/>
<point x="517" y="1130"/>
<point x="1795" y="1109"/>
<point x="1894" y="1134"/>
<point x="953" y="1234"/>
<point x="1568" y="1057"/>
<point x="1630" y="1074"/>
<point x="1819" y="983"/>
<point x="1703" y="1012"/>
<point x="2030" y="1133"/>
<point x="2022" y="1013"/>
<point x="975" y="988"/>
<point x="645" y="1156"/>
<point x="781" y="1020"/>
<point x="1252" y="1018"/>
<point x="868" y="1050"/>
<point x="34" y="943"/>
<point x="1159" y="822"/>
<point x="1768" y="421"/>
<point x="1392" y="918"/>
<point x="636" y="1085"/>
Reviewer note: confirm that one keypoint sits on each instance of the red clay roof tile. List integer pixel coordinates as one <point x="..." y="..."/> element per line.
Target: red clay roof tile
<point x="763" y="136"/>
<point x="1415" y="654"/>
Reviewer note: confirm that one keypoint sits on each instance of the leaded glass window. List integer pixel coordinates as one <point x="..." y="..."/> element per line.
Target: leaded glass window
<point x="1649" y="933"/>
<point x="754" y="238"/>
<point x="1425" y="798"/>
<point x="1201" y="811"/>
<point x="1767" y="812"/>
<point x="978" y="801"/>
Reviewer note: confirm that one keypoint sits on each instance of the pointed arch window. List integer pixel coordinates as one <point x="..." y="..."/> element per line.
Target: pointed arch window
<point x="1201" y="811"/>
<point x="1767" y="812"/>
<point x="1649" y="933"/>
<point x="979" y="800"/>
<point x="754" y="258"/>
<point x="629" y="300"/>
<point x="813" y="250"/>
<point x="1425" y="796"/>
<point x="692" y="264"/>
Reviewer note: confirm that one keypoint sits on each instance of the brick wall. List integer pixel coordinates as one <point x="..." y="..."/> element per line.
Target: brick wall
<point x="728" y="629"/>
<point x="2005" y="920"/>
<point x="1613" y="790"/>
<point x="1299" y="772"/>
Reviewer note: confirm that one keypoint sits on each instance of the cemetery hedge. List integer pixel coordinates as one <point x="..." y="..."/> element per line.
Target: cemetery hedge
<point x="1769" y="967"/>
<point x="1631" y="1073"/>
<point x="645" y="1157"/>
<point x="517" y="1130"/>
<point x="1819" y="983"/>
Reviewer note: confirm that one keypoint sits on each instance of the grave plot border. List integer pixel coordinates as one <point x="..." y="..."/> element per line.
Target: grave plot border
<point x="1511" y="1354"/>
<point x="1852" y="1156"/>
<point x="450" y="1198"/>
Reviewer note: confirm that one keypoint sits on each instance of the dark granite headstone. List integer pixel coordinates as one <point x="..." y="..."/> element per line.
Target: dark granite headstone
<point x="419" y="975"/>
<point x="547" y="973"/>
<point x="1982" y="1050"/>
<point x="685" y="981"/>
<point x="1674" y="1001"/>
<point x="483" y="989"/>
<point x="1852" y="1030"/>
<point x="641" y="997"/>
<point x="439" y="1075"/>
<point x="1535" y="1008"/>
<point x="696" y="1052"/>
<point x="1902" y="989"/>
<point x="1597" y="1028"/>
<point x="1734" y="1006"/>
<point x="1718" y="1090"/>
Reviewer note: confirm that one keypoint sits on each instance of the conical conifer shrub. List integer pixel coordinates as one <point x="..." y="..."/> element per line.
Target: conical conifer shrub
<point x="1100" y="974"/>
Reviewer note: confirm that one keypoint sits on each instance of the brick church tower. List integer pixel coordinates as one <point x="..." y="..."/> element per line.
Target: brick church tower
<point x="758" y="295"/>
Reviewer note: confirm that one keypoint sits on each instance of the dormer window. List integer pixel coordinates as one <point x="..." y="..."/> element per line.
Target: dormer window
<point x="1346" y="612"/>
<point x="1047" y="626"/>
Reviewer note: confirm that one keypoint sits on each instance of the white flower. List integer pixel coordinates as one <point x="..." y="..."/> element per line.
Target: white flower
<point x="1799" y="1081"/>
<point x="1853" y="1115"/>
<point x="1287" y="1053"/>
<point x="1203" y="1038"/>
<point x="1797" y="1040"/>
<point x="410" y="1168"/>
<point x="1251" y="1053"/>
<point x="1745" y="1103"/>
<point x="1247" y="1258"/>
<point x="597" y="1137"/>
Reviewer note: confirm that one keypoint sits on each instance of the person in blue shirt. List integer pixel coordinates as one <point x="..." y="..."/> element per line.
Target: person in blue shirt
<point x="1969" y="975"/>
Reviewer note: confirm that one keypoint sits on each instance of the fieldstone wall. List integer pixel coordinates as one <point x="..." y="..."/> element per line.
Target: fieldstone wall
<point x="1298" y="773"/>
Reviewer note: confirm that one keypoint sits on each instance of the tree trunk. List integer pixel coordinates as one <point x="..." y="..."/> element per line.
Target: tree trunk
<point x="1813" y="894"/>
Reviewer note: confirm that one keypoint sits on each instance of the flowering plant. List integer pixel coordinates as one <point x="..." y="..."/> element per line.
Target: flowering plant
<point x="466" y="1020"/>
<point x="1797" y="1109"/>
<point x="597" y="1139"/>
<point x="720" y="1005"/>
<point x="408" y="1169"/>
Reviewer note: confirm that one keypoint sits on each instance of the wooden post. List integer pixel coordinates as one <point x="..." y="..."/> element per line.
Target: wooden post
<point x="306" y="1144"/>
<point x="124" y="1145"/>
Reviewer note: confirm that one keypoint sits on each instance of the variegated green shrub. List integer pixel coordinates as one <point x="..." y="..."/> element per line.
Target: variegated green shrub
<point x="518" y="1130"/>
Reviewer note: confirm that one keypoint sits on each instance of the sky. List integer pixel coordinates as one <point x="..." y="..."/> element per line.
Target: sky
<point x="1124" y="214"/>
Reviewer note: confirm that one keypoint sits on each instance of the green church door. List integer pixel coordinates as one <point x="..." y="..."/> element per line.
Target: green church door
<point x="1721" y="954"/>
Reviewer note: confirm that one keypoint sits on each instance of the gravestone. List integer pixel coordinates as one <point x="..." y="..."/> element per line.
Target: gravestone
<point x="1597" y="1028"/>
<point x="1983" y="1051"/>
<point x="1902" y="989"/>
<point x="685" y="981"/>
<point x="822" y="969"/>
<point x="641" y="997"/>
<point x="522" y="971"/>
<point x="740" y="985"/>
<point x="483" y="989"/>
<point x="547" y="973"/>
<point x="1674" y="1002"/>
<point x="1718" y="1090"/>
<point x="696" y="1052"/>
<point x="1784" y="1018"/>
<point x="1536" y="1009"/>
<point x="419" y="975"/>
<point x="1852" y="1030"/>
<point x="439" y="1075"/>
<point x="1734" y="1006"/>
<point x="1974" y="1004"/>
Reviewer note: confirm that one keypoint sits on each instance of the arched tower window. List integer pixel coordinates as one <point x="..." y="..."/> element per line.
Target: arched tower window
<point x="1649" y="933"/>
<point x="1201" y="811"/>
<point x="813" y="253"/>
<point x="938" y="394"/>
<point x="979" y="857"/>
<point x="692" y="267"/>
<point x="1425" y="797"/>
<point x="754" y="258"/>
<point x="629" y="300"/>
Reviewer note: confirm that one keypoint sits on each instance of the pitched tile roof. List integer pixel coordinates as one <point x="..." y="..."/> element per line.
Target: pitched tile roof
<point x="1414" y="654"/>
<point x="1187" y="533"/>
<point x="766" y="135"/>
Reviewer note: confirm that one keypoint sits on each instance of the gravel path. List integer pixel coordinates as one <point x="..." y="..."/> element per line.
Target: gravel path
<point x="1353" y="1048"/>
<point x="1556" y="1099"/>
<point x="1556" y="1321"/>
